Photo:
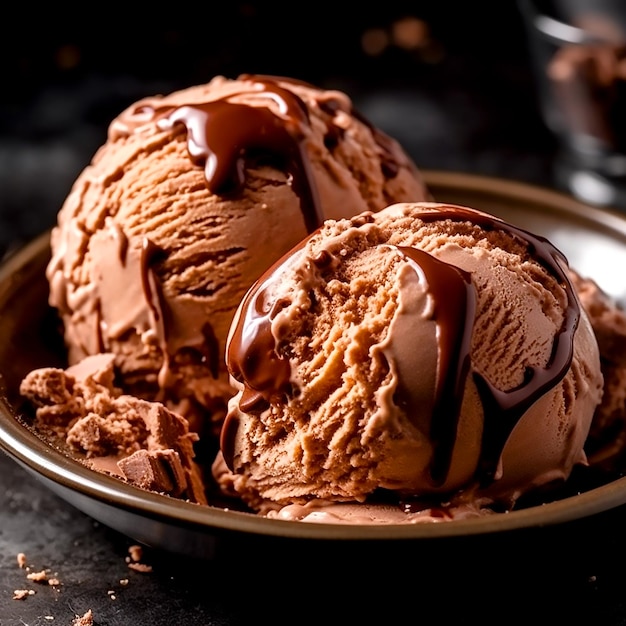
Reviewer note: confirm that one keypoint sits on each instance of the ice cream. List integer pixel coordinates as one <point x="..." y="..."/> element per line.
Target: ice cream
<point x="385" y="359"/>
<point x="426" y="353"/>
<point x="606" y="443"/>
<point x="191" y="197"/>
<point x="82" y="410"/>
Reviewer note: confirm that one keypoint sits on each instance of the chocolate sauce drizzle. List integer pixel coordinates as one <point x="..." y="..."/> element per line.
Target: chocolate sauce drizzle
<point x="253" y="360"/>
<point x="251" y="355"/>
<point x="503" y="409"/>
<point x="149" y="252"/>
<point x="222" y="134"/>
<point x="454" y="299"/>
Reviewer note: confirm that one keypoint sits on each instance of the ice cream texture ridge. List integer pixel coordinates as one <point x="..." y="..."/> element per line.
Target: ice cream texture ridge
<point x="192" y="195"/>
<point x="426" y="350"/>
<point x="263" y="304"/>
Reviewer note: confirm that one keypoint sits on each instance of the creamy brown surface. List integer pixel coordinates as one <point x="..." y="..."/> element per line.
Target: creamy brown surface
<point x="193" y="195"/>
<point x="139" y="441"/>
<point x="435" y="319"/>
<point x="606" y="443"/>
<point x="410" y="364"/>
<point x="422" y="350"/>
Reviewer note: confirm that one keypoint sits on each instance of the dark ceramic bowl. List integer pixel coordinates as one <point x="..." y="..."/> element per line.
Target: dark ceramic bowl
<point x="594" y="241"/>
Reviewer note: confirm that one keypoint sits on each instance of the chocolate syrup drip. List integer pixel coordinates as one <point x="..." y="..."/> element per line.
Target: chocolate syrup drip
<point x="122" y="241"/>
<point x="119" y="236"/>
<point x="454" y="312"/>
<point x="222" y="134"/>
<point x="503" y="409"/>
<point x="252" y="358"/>
<point x="99" y="338"/>
<point x="251" y="354"/>
<point x="149" y="250"/>
<point x="228" y="436"/>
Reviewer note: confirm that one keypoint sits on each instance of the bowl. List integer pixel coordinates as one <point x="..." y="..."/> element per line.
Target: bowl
<point x="594" y="240"/>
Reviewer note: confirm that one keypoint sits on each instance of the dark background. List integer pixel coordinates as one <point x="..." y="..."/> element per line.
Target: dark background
<point x="459" y="97"/>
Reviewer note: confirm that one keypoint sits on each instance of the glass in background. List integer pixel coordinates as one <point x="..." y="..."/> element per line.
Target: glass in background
<point x="578" y="50"/>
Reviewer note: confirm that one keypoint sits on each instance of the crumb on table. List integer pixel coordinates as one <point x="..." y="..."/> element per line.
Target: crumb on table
<point x="84" y="620"/>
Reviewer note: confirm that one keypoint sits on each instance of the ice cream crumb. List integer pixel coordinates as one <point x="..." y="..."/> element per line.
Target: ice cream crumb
<point x="85" y="620"/>
<point x="135" y="552"/>
<point x="22" y="594"/>
<point x="21" y="559"/>
<point x="38" y="576"/>
<point x="140" y="567"/>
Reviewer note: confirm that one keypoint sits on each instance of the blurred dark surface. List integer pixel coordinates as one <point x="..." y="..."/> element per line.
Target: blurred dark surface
<point x="459" y="96"/>
<point x="451" y="82"/>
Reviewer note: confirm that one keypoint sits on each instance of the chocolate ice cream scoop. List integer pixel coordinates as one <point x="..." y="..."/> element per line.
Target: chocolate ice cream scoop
<point x="423" y="353"/>
<point x="193" y="195"/>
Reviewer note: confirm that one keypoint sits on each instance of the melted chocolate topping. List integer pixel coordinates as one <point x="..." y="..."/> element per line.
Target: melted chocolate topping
<point x="149" y="252"/>
<point x="454" y="311"/>
<point x="253" y="360"/>
<point x="251" y="355"/>
<point x="503" y="409"/>
<point x="223" y="134"/>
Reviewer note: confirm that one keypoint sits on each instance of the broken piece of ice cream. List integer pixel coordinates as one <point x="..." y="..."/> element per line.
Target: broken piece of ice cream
<point x="140" y="441"/>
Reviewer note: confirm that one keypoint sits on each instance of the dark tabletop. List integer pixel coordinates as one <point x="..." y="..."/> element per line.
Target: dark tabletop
<point x="461" y="100"/>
